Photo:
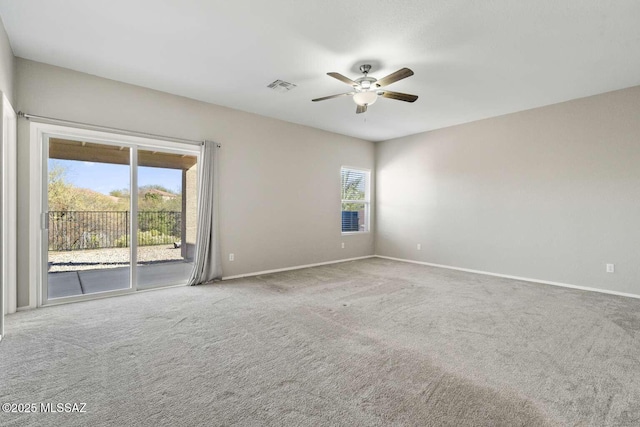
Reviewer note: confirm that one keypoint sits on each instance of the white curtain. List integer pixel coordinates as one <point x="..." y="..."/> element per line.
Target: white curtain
<point x="207" y="264"/>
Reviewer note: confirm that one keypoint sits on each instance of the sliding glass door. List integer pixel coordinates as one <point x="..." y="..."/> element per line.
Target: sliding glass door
<point x="88" y="218"/>
<point x="118" y="217"/>
<point x="167" y="205"/>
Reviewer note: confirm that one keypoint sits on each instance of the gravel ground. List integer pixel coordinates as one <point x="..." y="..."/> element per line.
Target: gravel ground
<point x="109" y="258"/>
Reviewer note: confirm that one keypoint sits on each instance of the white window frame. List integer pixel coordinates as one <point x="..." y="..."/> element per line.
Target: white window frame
<point x="366" y="201"/>
<point x="40" y="132"/>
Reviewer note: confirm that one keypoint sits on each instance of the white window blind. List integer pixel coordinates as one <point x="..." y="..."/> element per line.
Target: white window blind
<point x="355" y="200"/>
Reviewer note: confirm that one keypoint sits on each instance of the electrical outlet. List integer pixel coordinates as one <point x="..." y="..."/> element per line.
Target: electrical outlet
<point x="342" y="245"/>
<point x="610" y="268"/>
<point x="419" y="246"/>
<point x="232" y="257"/>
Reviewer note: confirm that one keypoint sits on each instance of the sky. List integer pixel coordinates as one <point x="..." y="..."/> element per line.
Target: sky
<point x="105" y="177"/>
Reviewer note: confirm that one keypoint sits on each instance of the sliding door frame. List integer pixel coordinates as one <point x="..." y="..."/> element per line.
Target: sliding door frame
<point x="40" y="132"/>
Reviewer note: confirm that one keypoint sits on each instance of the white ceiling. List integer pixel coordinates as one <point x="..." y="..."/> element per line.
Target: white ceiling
<point x="472" y="59"/>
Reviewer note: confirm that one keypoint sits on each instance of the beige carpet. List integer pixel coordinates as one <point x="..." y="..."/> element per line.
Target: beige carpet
<point x="366" y="343"/>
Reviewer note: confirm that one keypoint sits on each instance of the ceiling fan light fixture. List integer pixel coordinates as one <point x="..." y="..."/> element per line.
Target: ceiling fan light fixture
<point x="365" y="98"/>
<point x="366" y="90"/>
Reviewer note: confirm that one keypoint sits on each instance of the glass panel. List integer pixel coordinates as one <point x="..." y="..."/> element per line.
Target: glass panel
<point x="88" y="218"/>
<point x="353" y="217"/>
<point x="353" y="184"/>
<point x="167" y="208"/>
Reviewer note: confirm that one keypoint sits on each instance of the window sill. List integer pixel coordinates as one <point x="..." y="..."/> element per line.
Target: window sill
<point x="354" y="233"/>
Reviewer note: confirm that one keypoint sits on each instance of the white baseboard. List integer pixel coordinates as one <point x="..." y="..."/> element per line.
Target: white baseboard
<point x="297" y="267"/>
<point x="468" y="270"/>
<point x="506" y="276"/>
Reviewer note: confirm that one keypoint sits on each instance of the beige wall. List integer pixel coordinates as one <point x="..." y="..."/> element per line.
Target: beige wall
<point x="550" y="194"/>
<point x="7" y="66"/>
<point x="280" y="182"/>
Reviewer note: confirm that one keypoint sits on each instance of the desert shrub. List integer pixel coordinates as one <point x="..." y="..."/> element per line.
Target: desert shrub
<point x="148" y="238"/>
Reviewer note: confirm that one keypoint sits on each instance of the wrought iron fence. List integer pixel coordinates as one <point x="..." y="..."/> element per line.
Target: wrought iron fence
<point x="77" y="230"/>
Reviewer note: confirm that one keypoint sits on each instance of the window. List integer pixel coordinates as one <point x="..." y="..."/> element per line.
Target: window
<point x="355" y="200"/>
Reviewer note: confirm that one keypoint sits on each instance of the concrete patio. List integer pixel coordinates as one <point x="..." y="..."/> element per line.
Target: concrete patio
<point x="74" y="283"/>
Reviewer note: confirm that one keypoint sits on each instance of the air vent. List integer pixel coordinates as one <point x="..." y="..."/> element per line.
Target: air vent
<point x="281" y="86"/>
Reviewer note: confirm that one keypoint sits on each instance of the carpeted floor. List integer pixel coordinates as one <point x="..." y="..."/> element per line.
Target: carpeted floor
<point x="366" y="343"/>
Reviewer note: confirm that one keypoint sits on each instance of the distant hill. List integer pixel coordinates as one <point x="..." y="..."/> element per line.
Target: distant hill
<point x="66" y="197"/>
<point x="165" y="195"/>
<point x="91" y="193"/>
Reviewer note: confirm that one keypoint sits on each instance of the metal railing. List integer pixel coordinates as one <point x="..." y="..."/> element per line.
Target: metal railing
<point x="78" y="230"/>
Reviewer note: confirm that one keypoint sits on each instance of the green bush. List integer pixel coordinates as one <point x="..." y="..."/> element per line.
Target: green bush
<point x="148" y="238"/>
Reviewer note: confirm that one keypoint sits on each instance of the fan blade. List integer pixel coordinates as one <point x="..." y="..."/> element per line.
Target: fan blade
<point x="400" y="96"/>
<point x="332" y="96"/>
<point x="343" y="79"/>
<point x="361" y="109"/>
<point x="394" y="77"/>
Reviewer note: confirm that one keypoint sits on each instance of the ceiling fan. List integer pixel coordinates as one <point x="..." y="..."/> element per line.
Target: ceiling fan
<point x="367" y="89"/>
